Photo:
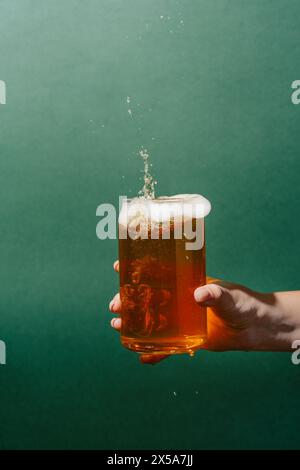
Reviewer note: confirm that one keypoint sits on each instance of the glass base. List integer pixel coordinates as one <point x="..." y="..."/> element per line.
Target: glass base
<point x="160" y="346"/>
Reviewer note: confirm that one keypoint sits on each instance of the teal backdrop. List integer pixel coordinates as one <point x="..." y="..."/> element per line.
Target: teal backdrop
<point x="209" y="83"/>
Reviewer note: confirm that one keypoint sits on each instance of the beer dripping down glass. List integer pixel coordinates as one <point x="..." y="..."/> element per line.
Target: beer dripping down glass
<point x="162" y="262"/>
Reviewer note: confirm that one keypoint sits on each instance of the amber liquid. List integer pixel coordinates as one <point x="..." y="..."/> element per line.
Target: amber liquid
<point x="157" y="282"/>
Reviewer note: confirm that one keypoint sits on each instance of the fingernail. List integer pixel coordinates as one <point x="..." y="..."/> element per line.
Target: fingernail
<point x="202" y="295"/>
<point x="111" y="305"/>
<point x="198" y="294"/>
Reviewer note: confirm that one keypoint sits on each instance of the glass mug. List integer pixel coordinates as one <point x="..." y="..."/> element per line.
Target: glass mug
<point x="162" y="262"/>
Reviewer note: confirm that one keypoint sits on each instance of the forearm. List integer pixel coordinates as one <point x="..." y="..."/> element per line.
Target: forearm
<point x="277" y="322"/>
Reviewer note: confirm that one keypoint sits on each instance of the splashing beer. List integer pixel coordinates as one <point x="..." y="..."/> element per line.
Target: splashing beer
<point x="162" y="261"/>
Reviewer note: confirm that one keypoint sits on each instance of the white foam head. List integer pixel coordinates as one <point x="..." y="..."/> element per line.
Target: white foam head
<point x="162" y="209"/>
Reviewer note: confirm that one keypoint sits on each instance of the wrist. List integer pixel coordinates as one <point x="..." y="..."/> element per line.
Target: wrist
<point x="274" y="327"/>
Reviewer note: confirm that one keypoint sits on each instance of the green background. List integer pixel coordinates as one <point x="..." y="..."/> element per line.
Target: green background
<point x="210" y="89"/>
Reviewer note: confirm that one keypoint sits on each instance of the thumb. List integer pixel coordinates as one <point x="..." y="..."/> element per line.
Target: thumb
<point x="214" y="295"/>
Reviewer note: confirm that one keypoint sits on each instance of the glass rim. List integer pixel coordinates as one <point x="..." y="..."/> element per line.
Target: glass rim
<point x="192" y="198"/>
<point x="188" y="203"/>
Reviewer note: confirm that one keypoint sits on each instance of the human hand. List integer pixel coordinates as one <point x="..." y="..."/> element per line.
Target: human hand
<point x="238" y="318"/>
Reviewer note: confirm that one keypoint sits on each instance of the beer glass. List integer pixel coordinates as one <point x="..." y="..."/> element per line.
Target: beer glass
<point x="162" y="261"/>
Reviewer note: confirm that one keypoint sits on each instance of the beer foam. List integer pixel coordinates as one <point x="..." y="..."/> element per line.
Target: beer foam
<point x="160" y="210"/>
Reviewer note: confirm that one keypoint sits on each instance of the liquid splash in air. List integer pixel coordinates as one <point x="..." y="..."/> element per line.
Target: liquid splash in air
<point x="148" y="189"/>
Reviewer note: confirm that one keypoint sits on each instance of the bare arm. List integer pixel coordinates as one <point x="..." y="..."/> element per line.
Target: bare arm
<point x="242" y="319"/>
<point x="282" y="320"/>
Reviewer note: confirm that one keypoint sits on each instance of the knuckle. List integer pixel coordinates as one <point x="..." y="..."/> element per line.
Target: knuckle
<point x="215" y="291"/>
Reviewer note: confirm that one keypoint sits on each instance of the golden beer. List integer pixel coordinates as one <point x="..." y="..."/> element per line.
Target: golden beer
<point x="158" y="274"/>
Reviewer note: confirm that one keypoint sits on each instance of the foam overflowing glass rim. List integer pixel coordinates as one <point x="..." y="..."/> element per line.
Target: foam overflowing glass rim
<point x="163" y="208"/>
